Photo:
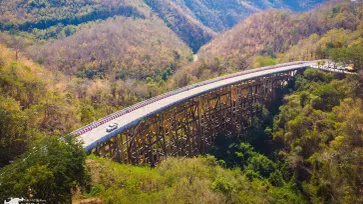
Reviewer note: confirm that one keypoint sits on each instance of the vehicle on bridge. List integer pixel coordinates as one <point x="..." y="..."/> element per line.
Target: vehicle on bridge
<point x="350" y="68"/>
<point x="112" y="127"/>
<point x="185" y="121"/>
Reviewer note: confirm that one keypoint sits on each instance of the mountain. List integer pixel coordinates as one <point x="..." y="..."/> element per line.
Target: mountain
<point x="26" y="15"/>
<point x="281" y="36"/>
<point x="222" y="15"/>
<point x="64" y="64"/>
<point x="131" y="43"/>
<point x="189" y="29"/>
<point x="114" y="48"/>
<point x="195" y="22"/>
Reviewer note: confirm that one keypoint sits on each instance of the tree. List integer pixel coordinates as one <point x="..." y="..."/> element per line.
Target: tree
<point x="347" y="56"/>
<point x="327" y="98"/>
<point x="14" y="130"/>
<point x="51" y="170"/>
<point x="357" y="57"/>
<point x="261" y="61"/>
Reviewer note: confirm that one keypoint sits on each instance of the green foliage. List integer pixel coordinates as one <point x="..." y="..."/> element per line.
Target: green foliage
<point x="346" y="56"/>
<point x="261" y="164"/>
<point x="43" y="14"/>
<point x="15" y="131"/>
<point x="221" y="184"/>
<point x="261" y="61"/>
<point x="52" y="169"/>
<point x="327" y="97"/>
<point x="196" y="180"/>
<point x="315" y="144"/>
<point x="317" y="75"/>
<point x="28" y="108"/>
<point x="317" y="131"/>
<point x="188" y="29"/>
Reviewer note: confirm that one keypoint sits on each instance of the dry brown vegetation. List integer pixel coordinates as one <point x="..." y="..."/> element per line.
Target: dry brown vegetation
<point x="277" y="31"/>
<point x="191" y="31"/>
<point x="277" y="36"/>
<point x="132" y="47"/>
<point x="35" y="101"/>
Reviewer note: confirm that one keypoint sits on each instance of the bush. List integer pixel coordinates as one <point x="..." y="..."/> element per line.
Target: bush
<point x="221" y="184"/>
<point x="327" y="98"/>
<point x="316" y="75"/>
<point x="51" y="170"/>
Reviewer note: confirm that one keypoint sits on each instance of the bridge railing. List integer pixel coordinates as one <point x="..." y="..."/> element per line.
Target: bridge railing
<point x="144" y="103"/>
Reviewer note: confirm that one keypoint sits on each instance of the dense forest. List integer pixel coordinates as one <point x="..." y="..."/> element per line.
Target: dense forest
<point x="36" y="101"/>
<point x="66" y="64"/>
<point x="309" y="151"/>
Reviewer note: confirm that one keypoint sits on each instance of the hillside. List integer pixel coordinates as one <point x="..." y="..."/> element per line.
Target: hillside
<point x="115" y="48"/>
<point x="42" y="14"/>
<point x="176" y="180"/>
<point x="308" y="150"/>
<point x="276" y="36"/>
<point x="190" y="30"/>
<point x="65" y="64"/>
<point x="195" y="22"/>
<point x="36" y="102"/>
<point x="223" y="15"/>
<point x="31" y="104"/>
<point x="79" y="42"/>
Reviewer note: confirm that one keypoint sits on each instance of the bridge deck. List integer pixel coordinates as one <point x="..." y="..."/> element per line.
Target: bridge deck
<point x="98" y="135"/>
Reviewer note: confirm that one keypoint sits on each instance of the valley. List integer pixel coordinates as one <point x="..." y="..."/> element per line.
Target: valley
<point x="67" y="64"/>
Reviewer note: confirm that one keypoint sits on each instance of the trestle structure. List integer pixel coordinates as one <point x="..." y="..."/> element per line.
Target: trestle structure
<point x="189" y="128"/>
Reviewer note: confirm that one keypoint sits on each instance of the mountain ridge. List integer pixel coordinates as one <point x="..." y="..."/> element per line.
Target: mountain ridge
<point x="195" y="22"/>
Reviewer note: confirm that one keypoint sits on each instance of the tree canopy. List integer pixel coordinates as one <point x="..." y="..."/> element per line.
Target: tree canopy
<point x="51" y="170"/>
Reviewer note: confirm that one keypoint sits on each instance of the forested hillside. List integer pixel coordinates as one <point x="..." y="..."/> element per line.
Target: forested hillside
<point x="309" y="150"/>
<point x="275" y="32"/>
<point x="195" y="22"/>
<point x="65" y="64"/>
<point x="190" y="30"/>
<point x="70" y="36"/>
<point x="42" y="14"/>
<point x="117" y="48"/>
<point x="35" y="102"/>
<point x="31" y="104"/>
<point x="222" y="15"/>
<point x="319" y="130"/>
<point x="277" y="36"/>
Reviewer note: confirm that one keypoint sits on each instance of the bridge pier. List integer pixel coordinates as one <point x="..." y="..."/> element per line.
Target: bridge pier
<point x="189" y="128"/>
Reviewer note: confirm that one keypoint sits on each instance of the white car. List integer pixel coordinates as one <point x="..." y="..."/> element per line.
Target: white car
<point x="13" y="200"/>
<point x="112" y="127"/>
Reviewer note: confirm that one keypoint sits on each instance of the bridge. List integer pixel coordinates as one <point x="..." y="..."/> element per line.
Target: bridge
<point x="185" y="122"/>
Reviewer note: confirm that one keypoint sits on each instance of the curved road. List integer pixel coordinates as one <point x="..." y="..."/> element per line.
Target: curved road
<point x="95" y="134"/>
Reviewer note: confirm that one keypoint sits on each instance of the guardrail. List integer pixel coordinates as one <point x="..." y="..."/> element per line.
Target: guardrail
<point x="171" y="93"/>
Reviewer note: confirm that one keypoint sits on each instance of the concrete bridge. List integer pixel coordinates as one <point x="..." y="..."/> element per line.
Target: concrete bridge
<point x="185" y="122"/>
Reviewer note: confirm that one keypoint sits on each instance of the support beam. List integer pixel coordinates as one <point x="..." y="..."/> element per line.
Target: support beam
<point x="189" y="129"/>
